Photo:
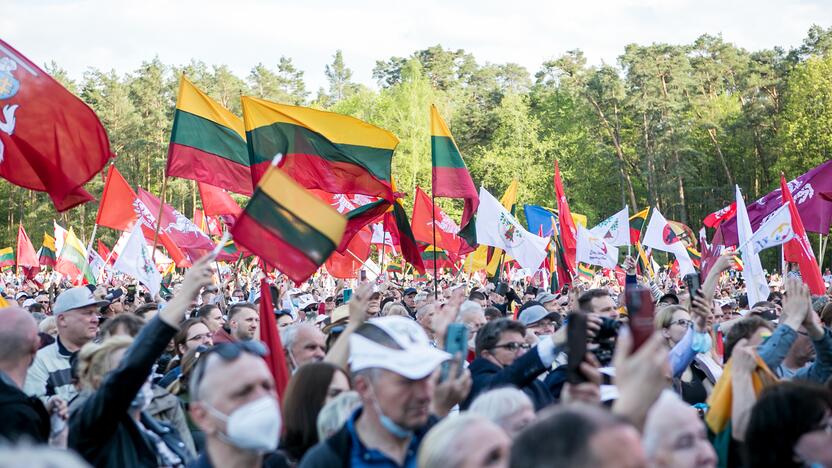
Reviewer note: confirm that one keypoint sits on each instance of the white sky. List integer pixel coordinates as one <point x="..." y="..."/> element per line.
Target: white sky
<point x="116" y="34"/>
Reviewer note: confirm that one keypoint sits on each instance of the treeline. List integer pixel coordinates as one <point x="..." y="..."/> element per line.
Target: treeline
<point x="673" y="126"/>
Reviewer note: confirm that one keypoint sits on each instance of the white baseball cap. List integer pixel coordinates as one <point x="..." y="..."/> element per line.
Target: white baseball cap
<point x="397" y="344"/>
<point x="76" y="298"/>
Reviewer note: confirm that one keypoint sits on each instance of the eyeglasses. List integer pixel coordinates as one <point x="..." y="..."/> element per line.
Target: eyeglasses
<point x="43" y="302"/>
<point x="200" y="337"/>
<point x="514" y="346"/>
<point x="683" y="323"/>
<point x="228" y="352"/>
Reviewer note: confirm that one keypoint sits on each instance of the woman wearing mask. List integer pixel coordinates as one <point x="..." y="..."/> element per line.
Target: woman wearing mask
<point x="311" y="387"/>
<point x="108" y="427"/>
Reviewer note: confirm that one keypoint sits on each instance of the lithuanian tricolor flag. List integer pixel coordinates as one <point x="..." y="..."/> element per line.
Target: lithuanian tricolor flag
<point x="46" y="254"/>
<point x="6" y="257"/>
<point x="451" y="178"/>
<point x="72" y="261"/>
<point x="434" y="256"/>
<point x="585" y="271"/>
<point x="208" y="143"/>
<point x="288" y="227"/>
<point x="321" y="150"/>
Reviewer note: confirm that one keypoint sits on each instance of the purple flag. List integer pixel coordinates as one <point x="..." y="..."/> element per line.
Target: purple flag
<point x="812" y="193"/>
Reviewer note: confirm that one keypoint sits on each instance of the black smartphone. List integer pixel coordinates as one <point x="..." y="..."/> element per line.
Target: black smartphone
<point x="576" y="347"/>
<point x="692" y="282"/>
<point x="640" y="310"/>
<point x="362" y="275"/>
<point x="456" y="343"/>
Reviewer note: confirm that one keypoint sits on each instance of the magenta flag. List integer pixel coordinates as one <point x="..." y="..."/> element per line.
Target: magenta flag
<point x="812" y="194"/>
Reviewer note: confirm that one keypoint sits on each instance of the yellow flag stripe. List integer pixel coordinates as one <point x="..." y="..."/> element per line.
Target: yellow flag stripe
<point x="194" y="101"/>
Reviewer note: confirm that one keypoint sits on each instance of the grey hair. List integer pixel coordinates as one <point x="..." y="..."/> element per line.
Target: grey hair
<point x="394" y="308"/>
<point x="422" y="311"/>
<point x="499" y="404"/>
<point x="335" y="413"/>
<point x="469" y="307"/>
<point x="440" y="446"/>
<point x="289" y="334"/>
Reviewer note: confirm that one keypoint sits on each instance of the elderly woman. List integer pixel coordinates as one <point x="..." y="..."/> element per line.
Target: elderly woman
<point x="465" y="441"/>
<point x="506" y="407"/>
<point x="675" y="437"/>
<point x="107" y="426"/>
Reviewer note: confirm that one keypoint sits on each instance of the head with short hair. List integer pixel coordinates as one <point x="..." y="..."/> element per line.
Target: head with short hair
<point x="675" y="437"/>
<point x="303" y="343"/>
<point x="507" y="407"/>
<point x="122" y="324"/>
<point x="826" y="315"/>
<point x="394" y="308"/>
<point x="478" y="297"/>
<point x="309" y="389"/>
<point x="49" y="325"/>
<point x="492" y="313"/>
<point x="244" y="321"/>
<point x="751" y="328"/>
<point x="783" y="413"/>
<point x="19" y="340"/>
<point x="212" y="315"/>
<point x="577" y="436"/>
<point x="465" y="440"/>
<point x="598" y="301"/>
<point x="147" y="311"/>
<point x="501" y="342"/>
<point x="472" y="316"/>
<point x="96" y="360"/>
<point x="335" y="413"/>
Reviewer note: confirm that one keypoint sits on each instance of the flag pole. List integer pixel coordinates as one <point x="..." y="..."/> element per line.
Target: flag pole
<point x="92" y="237"/>
<point x="433" y="225"/>
<point x="159" y="218"/>
<point x="383" y="240"/>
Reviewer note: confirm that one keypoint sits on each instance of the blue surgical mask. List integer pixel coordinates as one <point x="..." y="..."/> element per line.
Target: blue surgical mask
<point x="391" y="426"/>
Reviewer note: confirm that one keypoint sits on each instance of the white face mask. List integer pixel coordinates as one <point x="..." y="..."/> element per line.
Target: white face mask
<point x="143" y="398"/>
<point x="254" y="426"/>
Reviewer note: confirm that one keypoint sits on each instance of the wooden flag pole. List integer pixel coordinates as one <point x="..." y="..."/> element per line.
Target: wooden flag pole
<point x="159" y="218"/>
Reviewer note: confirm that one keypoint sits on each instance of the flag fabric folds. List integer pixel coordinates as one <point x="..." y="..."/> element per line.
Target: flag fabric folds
<point x="776" y="230"/>
<point x="567" y="229"/>
<point x="179" y="235"/>
<point x="134" y="260"/>
<point x="207" y="142"/>
<point x="593" y="249"/>
<point x="799" y="250"/>
<point x="288" y="227"/>
<point x="46" y="253"/>
<point x="276" y="359"/>
<point x="422" y="223"/>
<point x="716" y="218"/>
<point x="216" y="201"/>
<point x="321" y="150"/>
<point x="450" y="177"/>
<point x="752" y="272"/>
<point x="498" y="228"/>
<point x="50" y="141"/>
<point x="115" y="210"/>
<point x="6" y="257"/>
<point x="72" y="261"/>
<point x="26" y="256"/>
<point x="660" y="236"/>
<point x="614" y="230"/>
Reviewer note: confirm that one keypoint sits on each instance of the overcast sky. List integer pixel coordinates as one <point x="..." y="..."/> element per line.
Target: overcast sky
<point x="115" y="34"/>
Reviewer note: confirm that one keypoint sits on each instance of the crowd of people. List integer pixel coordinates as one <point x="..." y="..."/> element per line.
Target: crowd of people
<point x="108" y="376"/>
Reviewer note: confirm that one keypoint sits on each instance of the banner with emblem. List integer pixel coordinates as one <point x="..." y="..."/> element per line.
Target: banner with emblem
<point x="661" y="236"/>
<point x="498" y="228"/>
<point x="614" y="230"/>
<point x="593" y="249"/>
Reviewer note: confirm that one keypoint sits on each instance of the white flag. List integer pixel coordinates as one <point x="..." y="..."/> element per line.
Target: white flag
<point x="660" y="236"/>
<point x="614" y="230"/>
<point x="134" y="260"/>
<point x="498" y="228"/>
<point x="594" y="250"/>
<point x="775" y="230"/>
<point x="752" y="270"/>
<point x="97" y="264"/>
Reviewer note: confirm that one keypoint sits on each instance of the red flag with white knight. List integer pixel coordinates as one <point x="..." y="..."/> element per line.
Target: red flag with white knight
<point x="50" y="141"/>
<point x="798" y="250"/>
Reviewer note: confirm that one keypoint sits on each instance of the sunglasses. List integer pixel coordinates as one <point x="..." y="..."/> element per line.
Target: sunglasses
<point x="229" y="352"/>
<point x="514" y="346"/>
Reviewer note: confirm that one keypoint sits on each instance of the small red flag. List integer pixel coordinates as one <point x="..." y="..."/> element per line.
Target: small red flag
<point x="716" y="218"/>
<point x="26" y="256"/>
<point x="216" y="201"/>
<point x="798" y="249"/>
<point x="115" y="210"/>
<point x="105" y="253"/>
<point x="276" y="359"/>
<point x="50" y="141"/>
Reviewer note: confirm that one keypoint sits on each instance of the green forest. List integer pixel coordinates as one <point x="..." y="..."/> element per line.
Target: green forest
<point x="669" y="125"/>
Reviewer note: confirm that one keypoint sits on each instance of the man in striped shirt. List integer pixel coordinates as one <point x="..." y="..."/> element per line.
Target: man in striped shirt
<point x="76" y="311"/>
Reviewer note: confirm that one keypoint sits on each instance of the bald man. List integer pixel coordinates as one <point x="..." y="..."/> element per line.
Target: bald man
<point x="24" y="418"/>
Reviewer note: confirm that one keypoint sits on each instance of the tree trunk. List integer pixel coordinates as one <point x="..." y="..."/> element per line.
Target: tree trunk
<point x="652" y="192"/>
<point x="619" y="152"/>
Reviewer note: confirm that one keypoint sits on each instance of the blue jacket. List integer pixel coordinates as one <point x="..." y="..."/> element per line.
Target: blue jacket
<point x="522" y="374"/>
<point x="777" y="346"/>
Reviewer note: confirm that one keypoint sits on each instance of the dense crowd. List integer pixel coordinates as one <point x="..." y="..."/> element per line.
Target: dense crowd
<point x="395" y="372"/>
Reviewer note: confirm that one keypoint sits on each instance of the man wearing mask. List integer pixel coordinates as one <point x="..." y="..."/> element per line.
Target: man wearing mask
<point x="244" y="322"/>
<point x="303" y="343"/>
<point x="234" y="402"/>
<point x="76" y="312"/>
<point x="393" y="365"/>
<point x="24" y="418"/>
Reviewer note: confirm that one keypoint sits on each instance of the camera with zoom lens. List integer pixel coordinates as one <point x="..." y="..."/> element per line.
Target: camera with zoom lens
<point x="605" y="339"/>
